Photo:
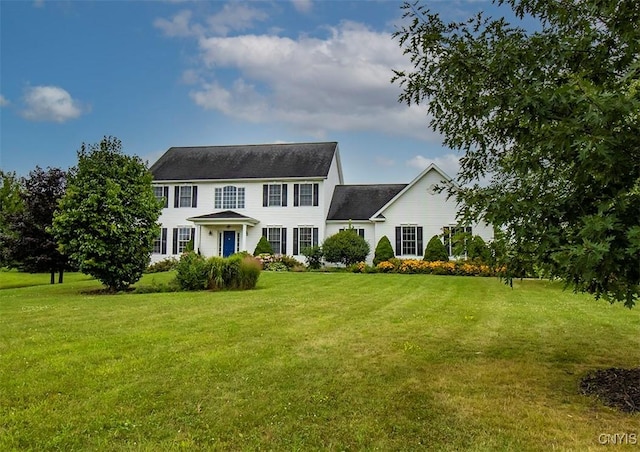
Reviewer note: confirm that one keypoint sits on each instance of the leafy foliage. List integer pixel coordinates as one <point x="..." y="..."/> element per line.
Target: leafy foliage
<point x="384" y="251"/>
<point x="477" y="249"/>
<point x="435" y="250"/>
<point x="551" y="118"/>
<point x="345" y="247"/>
<point x="313" y="256"/>
<point x="263" y="247"/>
<point x="106" y="222"/>
<point x="27" y="242"/>
<point x="194" y="272"/>
<point x="10" y="205"/>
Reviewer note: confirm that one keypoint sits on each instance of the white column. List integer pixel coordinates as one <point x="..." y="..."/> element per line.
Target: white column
<point x="243" y="239"/>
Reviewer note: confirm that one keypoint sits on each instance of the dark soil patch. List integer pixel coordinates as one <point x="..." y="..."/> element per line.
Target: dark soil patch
<point x="618" y="388"/>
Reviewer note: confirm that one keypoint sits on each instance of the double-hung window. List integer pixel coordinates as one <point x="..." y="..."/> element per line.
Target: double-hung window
<point x="182" y="235"/>
<point x="409" y="240"/>
<point x="229" y="197"/>
<point x="162" y="194"/>
<point x="274" y="195"/>
<point x="305" y="194"/>
<point x="304" y="237"/>
<point x="160" y="243"/>
<point x="186" y="196"/>
<point x="452" y="235"/>
<point x="277" y="238"/>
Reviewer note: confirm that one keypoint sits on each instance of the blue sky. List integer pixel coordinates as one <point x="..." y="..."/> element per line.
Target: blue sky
<point x="158" y="74"/>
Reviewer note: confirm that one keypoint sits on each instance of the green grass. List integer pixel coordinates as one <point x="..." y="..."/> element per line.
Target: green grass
<point x="309" y="361"/>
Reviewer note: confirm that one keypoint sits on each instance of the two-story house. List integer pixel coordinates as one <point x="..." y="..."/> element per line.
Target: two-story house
<point x="225" y="198"/>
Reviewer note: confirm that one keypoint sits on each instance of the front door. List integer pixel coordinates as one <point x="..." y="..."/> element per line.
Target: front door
<point x="228" y="243"/>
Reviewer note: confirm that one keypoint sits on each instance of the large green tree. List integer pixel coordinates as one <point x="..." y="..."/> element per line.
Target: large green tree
<point x="549" y="116"/>
<point x="106" y="222"/>
<point x="10" y="205"/>
<point x="27" y="242"/>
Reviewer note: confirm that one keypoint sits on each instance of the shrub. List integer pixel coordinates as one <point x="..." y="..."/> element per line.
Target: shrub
<point x="276" y="267"/>
<point x="435" y="250"/>
<point x="263" y="247"/>
<point x="248" y="274"/>
<point x="231" y="272"/>
<point x="384" y="251"/>
<point x="313" y="255"/>
<point x="163" y="266"/>
<point x="216" y="273"/>
<point x="289" y="261"/>
<point x="345" y="247"/>
<point x="477" y="249"/>
<point x="192" y="272"/>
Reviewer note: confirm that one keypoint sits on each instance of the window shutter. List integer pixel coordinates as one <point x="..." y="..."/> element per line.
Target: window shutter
<point x="419" y="251"/>
<point x="295" y="238"/>
<point x="361" y="232"/>
<point x="176" y="197"/>
<point x="316" y="190"/>
<point x="296" y="197"/>
<point x="194" y="196"/>
<point x="283" y="244"/>
<point x="265" y="196"/>
<point x="398" y="241"/>
<point x="315" y="237"/>
<point x="284" y="195"/>
<point x="165" y="194"/>
<point x="175" y="241"/>
<point x="163" y="239"/>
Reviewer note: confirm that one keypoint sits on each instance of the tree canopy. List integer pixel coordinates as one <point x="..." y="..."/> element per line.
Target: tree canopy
<point x="27" y="243"/>
<point x="10" y="205"/>
<point x="550" y="117"/>
<point x="106" y="222"/>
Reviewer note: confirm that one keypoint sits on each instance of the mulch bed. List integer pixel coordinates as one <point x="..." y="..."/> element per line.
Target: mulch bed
<point x="618" y="388"/>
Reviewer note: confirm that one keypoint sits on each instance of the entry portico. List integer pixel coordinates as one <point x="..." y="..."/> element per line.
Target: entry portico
<point x="222" y="233"/>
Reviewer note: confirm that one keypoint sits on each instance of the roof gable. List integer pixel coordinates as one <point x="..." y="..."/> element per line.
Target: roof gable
<point x="261" y="161"/>
<point x="432" y="167"/>
<point x="360" y="202"/>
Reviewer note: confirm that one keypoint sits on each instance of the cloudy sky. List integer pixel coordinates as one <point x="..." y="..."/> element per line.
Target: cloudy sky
<point x="158" y="74"/>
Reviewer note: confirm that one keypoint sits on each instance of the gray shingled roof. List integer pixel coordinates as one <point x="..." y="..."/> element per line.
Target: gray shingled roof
<point x="359" y="202"/>
<point x="257" y="161"/>
<point x="226" y="215"/>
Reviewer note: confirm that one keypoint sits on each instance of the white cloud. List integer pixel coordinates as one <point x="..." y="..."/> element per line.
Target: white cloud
<point x="449" y="163"/>
<point x="178" y="26"/>
<point x="50" y="103"/>
<point x="3" y="101"/>
<point x="232" y="17"/>
<point x="341" y="82"/>
<point x="303" y="6"/>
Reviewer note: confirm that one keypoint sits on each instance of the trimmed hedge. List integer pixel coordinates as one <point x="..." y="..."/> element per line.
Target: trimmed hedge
<point x="384" y="251"/>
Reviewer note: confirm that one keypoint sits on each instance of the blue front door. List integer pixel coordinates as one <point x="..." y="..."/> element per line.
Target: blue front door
<point x="228" y="243"/>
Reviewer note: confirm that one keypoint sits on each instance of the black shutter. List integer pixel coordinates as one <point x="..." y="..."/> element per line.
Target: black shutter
<point x="419" y="236"/>
<point x="163" y="240"/>
<point x="265" y="195"/>
<point x="193" y="234"/>
<point x="361" y="232"/>
<point x="295" y="238"/>
<point x="315" y="237"/>
<point x="264" y="233"/>
<point x="176" y="198"/>
<point x="398" y="241"/>
<point x="284" y="195"/>
<point x="175" y="241"/>
<point x="283" y="244"/>
<point x="316" y="190"/>
<point x="296" y="196"/>
<point x="165" y="194"/>
<point x="194" y="196"/>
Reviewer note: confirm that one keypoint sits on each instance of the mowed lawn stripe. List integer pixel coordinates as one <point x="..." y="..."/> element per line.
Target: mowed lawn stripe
<point x="310" y="361"/>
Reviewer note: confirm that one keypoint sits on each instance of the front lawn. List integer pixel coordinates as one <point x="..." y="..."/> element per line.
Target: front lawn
<point x="311" y="361"/>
